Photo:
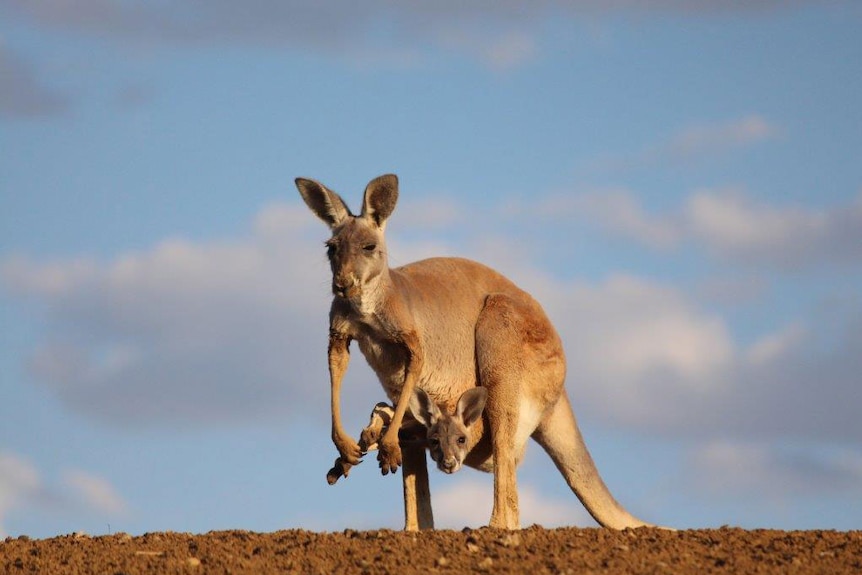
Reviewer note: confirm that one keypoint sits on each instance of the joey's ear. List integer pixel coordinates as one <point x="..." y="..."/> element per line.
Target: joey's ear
<point x="471" y="404"/>
<point x="381" y="195"/>
<point x="326" y="204"/>
<point x="423" y="408"/>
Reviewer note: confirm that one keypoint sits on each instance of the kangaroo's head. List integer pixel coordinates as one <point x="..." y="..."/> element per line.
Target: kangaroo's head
<point x="357" y="248"/>
<point x="449" y="436"/>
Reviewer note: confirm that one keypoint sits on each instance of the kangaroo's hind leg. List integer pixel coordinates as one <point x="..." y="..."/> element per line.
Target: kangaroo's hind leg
<point x="518" y="358"/>
<point x="417" y="493"/>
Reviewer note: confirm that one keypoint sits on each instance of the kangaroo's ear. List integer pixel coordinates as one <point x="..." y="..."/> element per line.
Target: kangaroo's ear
<point x="471" y="404"/>
<point x="423" y="408"/>
<point x="326" y="204"/>
<point x="381" y="195"/>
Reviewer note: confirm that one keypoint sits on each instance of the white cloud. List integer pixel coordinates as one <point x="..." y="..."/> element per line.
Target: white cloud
<point x="95" y="492"/>
<point x="433" y="212"/>
<point x="728" y="223"/>
<point x="185" y="332"/>
<point x="711" y="138"/>
<point x="735" y="226"/>
<point x="694" y="142"/>
<point x="626" y="332"/>
<point x="732" y="224"/>
<point x="616" y="210"/>
<point x="499" y="34"/>
<point x="732" y="470"/>
<point x="468" y="503"/>
<point x="19" y="482"/>
<point x="23" y="96"/>
<point x="201" y="333"/>
<point x="22" y="487"/>
<point x="772" y="347"/>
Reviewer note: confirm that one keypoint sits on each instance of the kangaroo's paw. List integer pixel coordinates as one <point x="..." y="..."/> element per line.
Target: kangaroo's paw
<point x="348" y="449"/>
<point x="389" y="454"/>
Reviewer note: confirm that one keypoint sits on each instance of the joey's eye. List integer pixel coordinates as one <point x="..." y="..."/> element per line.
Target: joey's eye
<point x="369" y="247"/>
<point x="462" y="440"/>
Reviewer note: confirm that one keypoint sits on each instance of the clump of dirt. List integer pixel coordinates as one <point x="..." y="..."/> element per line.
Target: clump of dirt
<point x="534" y="550"/>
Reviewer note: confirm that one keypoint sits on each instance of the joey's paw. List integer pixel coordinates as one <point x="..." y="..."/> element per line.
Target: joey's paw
<point x="389" y="456"/>
<point x="339" y="469"/>
<point x="370" y="436"/>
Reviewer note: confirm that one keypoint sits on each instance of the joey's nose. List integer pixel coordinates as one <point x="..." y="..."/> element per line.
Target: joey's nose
<point x="449" y="465"/>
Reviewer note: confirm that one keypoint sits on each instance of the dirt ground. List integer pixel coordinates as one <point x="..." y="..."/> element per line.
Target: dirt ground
<point x="534" y="550"/>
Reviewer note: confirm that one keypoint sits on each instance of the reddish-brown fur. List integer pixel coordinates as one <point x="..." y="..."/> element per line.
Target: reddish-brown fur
<point x="447" y="325"/>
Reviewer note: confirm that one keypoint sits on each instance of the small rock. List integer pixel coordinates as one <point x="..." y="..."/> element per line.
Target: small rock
<point x="512" y="539"/>
<point x="485" y="563"/>
<point x="442" y="562"/>
<point x="193" y="562"/>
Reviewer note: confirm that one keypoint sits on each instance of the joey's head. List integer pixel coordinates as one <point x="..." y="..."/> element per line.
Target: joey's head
<point x="357" y="248"/>
<point x="449" y="436"/>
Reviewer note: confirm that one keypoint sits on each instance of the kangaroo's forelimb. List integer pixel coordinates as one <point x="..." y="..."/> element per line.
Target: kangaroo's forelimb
<point x="339" y="358"/>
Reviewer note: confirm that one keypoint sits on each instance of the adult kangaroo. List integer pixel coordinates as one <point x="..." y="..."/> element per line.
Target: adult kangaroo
<point x="447" y="325"/>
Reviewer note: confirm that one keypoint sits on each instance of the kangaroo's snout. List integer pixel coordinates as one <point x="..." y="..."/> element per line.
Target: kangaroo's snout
<point x="341" y="288"/>
<point x="338" y="289"/>
<point x="345" y="287"/>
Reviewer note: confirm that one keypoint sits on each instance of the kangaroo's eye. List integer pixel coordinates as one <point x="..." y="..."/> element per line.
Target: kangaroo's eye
<point x="369" y="247"/>
<point x="462" y="440"/>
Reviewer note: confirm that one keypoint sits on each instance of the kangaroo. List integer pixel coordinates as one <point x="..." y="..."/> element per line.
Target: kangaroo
<point x="446" y="325"/>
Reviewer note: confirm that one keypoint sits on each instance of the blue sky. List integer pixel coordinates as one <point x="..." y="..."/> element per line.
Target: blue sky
<point x="680" y="185"/>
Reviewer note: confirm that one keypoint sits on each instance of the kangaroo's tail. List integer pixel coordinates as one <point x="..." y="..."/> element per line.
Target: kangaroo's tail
<point x="559" y="435"/>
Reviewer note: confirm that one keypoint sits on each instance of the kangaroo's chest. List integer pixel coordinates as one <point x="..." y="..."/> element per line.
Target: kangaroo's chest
<point x="388" y="359"/>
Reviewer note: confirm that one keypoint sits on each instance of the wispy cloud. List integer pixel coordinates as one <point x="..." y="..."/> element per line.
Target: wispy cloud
<point x="727" y="223"/>
<point x="501" y="35"/>
<point x="194" y="333"/>
<point x="23" y="487"/>
<point x="699" y="141"/>
<point x="617" y="211"/>
<point x="95" y="492"/>
<point x="732" y="224"/>
<point x="23" y="94"/>
<point x="469" y="501"/>
<point x="19" y="483"/>
<point x="732" y="470"/>
<point x="184" y="332"/>
<point x="710" y="138"/>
